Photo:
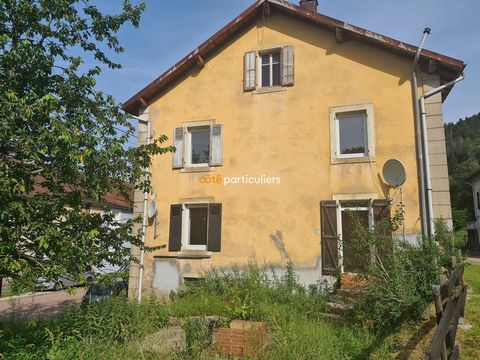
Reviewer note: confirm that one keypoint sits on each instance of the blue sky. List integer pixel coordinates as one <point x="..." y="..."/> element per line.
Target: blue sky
<point x="172" y="28"/>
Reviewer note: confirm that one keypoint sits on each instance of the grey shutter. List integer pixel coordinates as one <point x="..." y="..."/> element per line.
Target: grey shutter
<point x="175" y="237"/>
<point x="214" y="227"/>
<point x="249" y="71"/>
<point x="178" y="142"/>
<point x="216" y="145"/>
<point x="288" y="66"/>
<point x="328" y="218"/>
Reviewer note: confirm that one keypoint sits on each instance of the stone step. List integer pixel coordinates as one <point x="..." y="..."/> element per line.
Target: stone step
<point x="341" y="299"/>
<point x="330" y="316"/>
<point x="338" y="308"/>
<point x="348" y="293"/>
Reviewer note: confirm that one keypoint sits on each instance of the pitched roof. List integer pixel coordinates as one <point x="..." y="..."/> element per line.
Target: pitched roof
<point x="448" y="68"/>
<point x="114" y="198"/>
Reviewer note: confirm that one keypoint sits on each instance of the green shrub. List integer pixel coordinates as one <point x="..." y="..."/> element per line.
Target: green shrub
<point x="78" y="331"/>
<point x="248" y="292"/>
<point x="399" y="275"/>
<point x="460" y="218"/>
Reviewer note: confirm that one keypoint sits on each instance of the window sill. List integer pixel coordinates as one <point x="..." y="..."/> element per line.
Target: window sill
<point x="194" y="254"/>
<point x="267" y="90"/>
<point x="194" y="169"/>
<point x="352" y="160"/>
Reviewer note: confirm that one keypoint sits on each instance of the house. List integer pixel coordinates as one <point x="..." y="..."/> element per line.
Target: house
<point x="474" y="229"/>
<point x="282" y="122"/>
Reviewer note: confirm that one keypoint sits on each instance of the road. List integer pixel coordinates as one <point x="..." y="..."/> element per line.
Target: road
<point x="39" y="305"/>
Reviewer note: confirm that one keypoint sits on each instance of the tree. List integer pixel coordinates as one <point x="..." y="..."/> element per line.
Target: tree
<point x="463" y="153"/>
<point x="58" y="130"/>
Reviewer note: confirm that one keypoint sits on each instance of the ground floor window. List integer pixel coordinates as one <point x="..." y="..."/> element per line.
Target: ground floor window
<point x="195" y="226"/>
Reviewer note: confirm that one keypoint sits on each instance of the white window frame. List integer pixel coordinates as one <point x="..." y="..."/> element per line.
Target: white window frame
<point x="336" y="114"/>
<point x="186" y="226"/>
<point x="276" y="50"/>
<point x="187" y="128"/>
<point x="340" y="210"/>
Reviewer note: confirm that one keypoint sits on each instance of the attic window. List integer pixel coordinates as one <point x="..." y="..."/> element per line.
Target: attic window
<point x="270" y="69"/>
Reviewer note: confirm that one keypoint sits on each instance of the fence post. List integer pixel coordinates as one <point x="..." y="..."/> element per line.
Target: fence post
<point x="439" y="312"/>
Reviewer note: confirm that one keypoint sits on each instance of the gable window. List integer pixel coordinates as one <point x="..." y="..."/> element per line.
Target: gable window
<point x="268" y="68"/>
<point x="198" y="144"/>
<point x="195" y="226"/>
<point x="352" y="133"/>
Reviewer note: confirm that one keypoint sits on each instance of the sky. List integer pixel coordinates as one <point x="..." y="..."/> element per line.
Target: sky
<point x="170" y="29"/>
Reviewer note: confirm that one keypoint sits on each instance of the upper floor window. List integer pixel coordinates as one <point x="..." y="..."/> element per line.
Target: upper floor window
<point x="198" y="144"/>
<point x="352" y="133"/>
<point x="270" y="73"/>
<point x="269" y="68"/>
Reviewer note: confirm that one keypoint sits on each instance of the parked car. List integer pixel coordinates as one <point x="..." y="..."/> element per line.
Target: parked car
<point x="97" y="292"/>
<point x="63" y="282"/>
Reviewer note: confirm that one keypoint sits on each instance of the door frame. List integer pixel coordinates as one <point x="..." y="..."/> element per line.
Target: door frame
<point x="340" y="209"/>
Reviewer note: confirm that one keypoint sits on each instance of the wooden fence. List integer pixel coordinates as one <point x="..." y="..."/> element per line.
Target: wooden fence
<point x="450" y="297"/>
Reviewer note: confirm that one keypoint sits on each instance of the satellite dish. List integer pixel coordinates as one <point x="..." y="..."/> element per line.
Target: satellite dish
<point x="152" y="209"/>
<point x="394" y="173"/>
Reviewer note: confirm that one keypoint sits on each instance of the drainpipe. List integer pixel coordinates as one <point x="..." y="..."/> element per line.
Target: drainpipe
<point x="431" y="228"/>
<point x="418" y="133"/>
<point x="144" y="222"/>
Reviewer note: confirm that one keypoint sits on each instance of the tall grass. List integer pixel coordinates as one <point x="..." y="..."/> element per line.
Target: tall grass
<point x="91" y="333"/>
<point x="249" y="292"/>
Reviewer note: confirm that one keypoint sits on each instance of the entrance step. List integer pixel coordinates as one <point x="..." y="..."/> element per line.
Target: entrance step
<point x="338" y="308"/>
<point x="352" y="294"/>
<point x="340" y="299"/>
<point x="329" y="316"/>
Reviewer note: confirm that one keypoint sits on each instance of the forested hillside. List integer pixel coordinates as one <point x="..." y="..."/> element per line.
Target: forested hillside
<point x="463" y="152"/>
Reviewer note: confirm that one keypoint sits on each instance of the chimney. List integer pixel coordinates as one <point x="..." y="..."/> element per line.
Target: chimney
<point x="309" y="5"/>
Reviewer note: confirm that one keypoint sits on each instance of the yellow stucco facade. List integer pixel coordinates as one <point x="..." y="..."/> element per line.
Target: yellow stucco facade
<point x="286" y="134"/>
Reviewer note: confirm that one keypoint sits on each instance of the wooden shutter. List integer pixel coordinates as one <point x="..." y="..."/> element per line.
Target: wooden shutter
<point x="381" y="214"/>
<point x="328" y="218"/>
<point x="250" y="71"/>
<point x="216" y="145"/>
<point x="288" y="66"/>
<point x="214" y="227"/>
<point x="178" y="142"/>
<point x="175" y="237"/>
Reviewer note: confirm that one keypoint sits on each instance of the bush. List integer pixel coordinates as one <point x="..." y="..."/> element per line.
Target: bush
<point x="248" y="292"/>
<point x="399" y="277"/>
<point x="460" y="218"/>
<point x="82" y="333"/>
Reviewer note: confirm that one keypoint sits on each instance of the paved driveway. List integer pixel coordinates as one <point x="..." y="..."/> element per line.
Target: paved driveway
<point x="39" y="305"/>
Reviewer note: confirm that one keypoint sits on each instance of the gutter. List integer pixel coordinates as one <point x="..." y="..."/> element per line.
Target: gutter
<point x="144" y="220"/>
<point x="418" y="135"/>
